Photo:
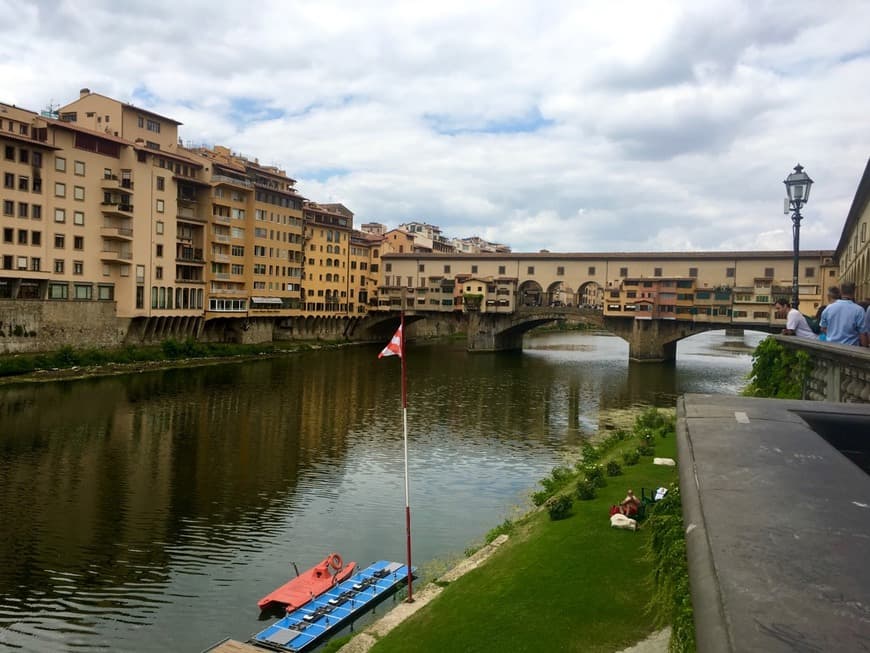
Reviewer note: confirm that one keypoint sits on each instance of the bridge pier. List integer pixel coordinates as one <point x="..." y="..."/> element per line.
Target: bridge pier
<point x="484" y="336"/>
<point x="650" y="341"/>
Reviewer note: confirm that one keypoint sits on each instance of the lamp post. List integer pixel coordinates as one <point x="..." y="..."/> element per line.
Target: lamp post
<point x="797" y="184"/>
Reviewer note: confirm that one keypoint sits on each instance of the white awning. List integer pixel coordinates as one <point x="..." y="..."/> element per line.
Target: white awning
<point x="265" y="300"/>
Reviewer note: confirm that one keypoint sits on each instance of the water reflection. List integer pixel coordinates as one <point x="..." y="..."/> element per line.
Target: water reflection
<point x="149" y="512"/>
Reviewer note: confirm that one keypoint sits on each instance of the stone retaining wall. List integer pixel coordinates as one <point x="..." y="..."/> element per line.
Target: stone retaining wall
<point x="39" y="326"/>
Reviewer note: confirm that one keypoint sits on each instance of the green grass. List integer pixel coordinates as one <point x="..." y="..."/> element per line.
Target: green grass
<point x="570" y="585"/>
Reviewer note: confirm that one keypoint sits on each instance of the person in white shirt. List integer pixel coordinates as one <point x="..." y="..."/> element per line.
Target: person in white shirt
<point x="795" y="322"/>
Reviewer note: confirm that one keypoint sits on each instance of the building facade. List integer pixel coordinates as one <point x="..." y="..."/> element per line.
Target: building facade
<point x="853" y="249"/>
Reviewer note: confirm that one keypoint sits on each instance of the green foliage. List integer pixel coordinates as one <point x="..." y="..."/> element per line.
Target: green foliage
<point x="507" y="526"/>
<point x="589" y="454"/>
<point x="646" y="450"/>
<point x="631" y="458"/>
<point x="671" y="602"/>
<point x="595" y="475"/>
<point x="777" y="371"/>
<point x="613" y="468"/>
<point x="558" y="478"/>
<point x="586" y="490"/>
<point x="559" y="507"/>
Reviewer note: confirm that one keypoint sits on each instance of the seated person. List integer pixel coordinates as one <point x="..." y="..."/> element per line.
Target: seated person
<point x="630" y="504"/>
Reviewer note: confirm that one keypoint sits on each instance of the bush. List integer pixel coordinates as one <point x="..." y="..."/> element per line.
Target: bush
<point x="589" y="454"/>
<point x="777" y="372"/>
<point x="559" y="507"/>
<point x="631" y="458"/>
<point x="646" y="450"/>
<point x="557" y="479"/>
<point x="507" y="526"/>
<point x="613" y="468"/>
<point x="586" y="490"/>
<point x="595" y="475"/>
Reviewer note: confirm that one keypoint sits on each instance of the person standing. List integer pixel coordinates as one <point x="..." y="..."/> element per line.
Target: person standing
<point x="843" y="320"/>
<point x="795" y="322"/>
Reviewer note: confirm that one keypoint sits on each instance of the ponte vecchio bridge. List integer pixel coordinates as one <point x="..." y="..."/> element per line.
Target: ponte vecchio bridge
<point x="652" y="300"/>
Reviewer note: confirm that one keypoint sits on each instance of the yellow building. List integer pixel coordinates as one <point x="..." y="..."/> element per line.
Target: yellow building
<point x="255" y="239"/>
<point x="328" y="228"/>
<point x="853" y="250"/>
<point x="364" y="258"/>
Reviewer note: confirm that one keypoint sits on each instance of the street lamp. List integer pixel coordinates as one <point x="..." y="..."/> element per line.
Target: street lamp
<point x="797" y="184"/>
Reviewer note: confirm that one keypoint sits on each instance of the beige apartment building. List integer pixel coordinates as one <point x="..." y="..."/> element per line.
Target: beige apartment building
<point x="853" y="250"/>
<point x="328" y="229"/>
<point x="95" y="215"/>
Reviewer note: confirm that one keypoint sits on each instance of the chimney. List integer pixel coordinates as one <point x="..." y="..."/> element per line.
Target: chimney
<point x="83" y="92"/>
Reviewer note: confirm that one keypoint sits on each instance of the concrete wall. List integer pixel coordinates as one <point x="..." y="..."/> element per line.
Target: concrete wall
<point x="840" y="372"/>
<point x="48" y="326"/>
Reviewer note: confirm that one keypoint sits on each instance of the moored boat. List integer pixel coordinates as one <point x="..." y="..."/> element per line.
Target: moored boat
<point x="309" y="584"/>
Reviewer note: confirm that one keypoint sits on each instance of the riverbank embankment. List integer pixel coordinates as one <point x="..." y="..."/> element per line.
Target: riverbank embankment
<point x="567" y="584"/>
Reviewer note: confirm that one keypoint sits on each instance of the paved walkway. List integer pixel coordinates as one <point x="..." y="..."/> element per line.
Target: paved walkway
<point x="777" y="523"/>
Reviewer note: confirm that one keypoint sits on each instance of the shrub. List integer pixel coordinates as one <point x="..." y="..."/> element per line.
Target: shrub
<point x="507" y="526"/>
<point x="559" y="507"/>
<point x="777" y="372"/>
<point x="646" y="450"/>
<point x="585" y="490"/>
<point x="553" y="483"/>
<point x="595" y="475"/>
<point x="589" y="454"/>
<point x="631" y="458"/>
<point x="613" y="468"/>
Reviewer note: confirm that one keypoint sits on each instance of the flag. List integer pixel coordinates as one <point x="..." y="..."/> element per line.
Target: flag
<point x="395" y="347"/>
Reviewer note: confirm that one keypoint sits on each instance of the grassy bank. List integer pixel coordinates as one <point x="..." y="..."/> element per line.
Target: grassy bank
<point x="570" y="584"/>
<point x="168" y="352"/>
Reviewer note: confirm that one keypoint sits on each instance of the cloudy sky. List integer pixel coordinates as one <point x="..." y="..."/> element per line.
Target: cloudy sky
<point x="599" y="125"/>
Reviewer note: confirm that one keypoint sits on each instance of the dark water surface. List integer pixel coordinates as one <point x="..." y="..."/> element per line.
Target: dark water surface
<point x="149" y="512"/>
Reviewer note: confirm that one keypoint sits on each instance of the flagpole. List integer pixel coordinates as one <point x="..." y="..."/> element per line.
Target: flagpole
<point x="405" y="437"/>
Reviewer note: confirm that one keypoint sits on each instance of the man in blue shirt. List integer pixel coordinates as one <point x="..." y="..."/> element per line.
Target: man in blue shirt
<point x="843" y="321"/>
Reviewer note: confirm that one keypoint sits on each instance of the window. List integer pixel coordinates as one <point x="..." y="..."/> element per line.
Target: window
<point x="8" y="235"/>
<point x="158" y="227"/>
<point x="158" y="272"/>
<point x="37" y="159"/>
<point x="23" y="183"/>
<point x="36" y="212"/>
<point x="693" y="272"/>
<point x="60" y="215"/>
<point x="237" y="250"/>
<point x="388" y="267"/>
<point x="446" y="269"/>
<point x="22" y="209"/>
<point x="863" y="232"/>
<point x="768" y="273"/>
<point x="78" y="267"/>
<point x="58" y="290"/>
<point x="59" y="189"/>
<point x="22" y="236"/>
<point x="9" y="180"/>
<point x="79" y="168"/>
<point x="152" y="126"/>
<point x="657" y="272"/>
<point x="531" y="269"/>
<point x="83" y="291"/>
<point x="501" y="269"/>
<point x="60" y="164"/>
<point x="730" y="272"/>
<point x="59" y="241"/>
<point x="10" y="153"/>
<point x="140" y="121"/>
<point x="23" y="155"/>
<point x="420" y="268"/>
<point x="8" y="207"/>
<point x="36" y="238"/>
<point x="158" y="250"/>
<point x="105" y="293"/>
<point x="78" y="218"/>
<point x="809" y="273"/>
<point x="58" y="265"/>
<point x="161" y="183"/>
<point x="78" y="242"/>
<point x="160" y="206"/>
<point x="474" y="269"/>
<point x="623" y="272"/>
<point x="79" y="193"/>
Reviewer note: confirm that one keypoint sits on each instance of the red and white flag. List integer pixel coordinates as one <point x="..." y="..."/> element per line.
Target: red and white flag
<point x="395" y="346"/>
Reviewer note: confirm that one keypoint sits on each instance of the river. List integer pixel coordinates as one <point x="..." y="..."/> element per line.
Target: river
<point x="149" y="512"/>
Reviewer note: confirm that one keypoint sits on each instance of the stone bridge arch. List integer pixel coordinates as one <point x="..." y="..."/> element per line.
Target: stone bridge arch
<point x="590" y="295"/>
<point x="559" y="294"/>
<point x="530" y="293"/>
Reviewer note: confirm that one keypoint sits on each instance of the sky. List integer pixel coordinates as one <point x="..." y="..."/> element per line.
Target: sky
<point x="578" y="126"/>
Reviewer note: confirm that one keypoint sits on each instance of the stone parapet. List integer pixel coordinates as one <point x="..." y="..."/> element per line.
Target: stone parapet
<point x="840" y="373"/>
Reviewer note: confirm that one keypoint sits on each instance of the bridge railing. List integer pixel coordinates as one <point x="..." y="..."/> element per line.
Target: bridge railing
<point x="839" y="372"/>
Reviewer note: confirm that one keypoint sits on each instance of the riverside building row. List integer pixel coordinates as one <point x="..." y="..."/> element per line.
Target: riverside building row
<point x="101" y="203"/>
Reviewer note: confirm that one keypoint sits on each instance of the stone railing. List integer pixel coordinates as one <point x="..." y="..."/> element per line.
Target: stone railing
<point x="840" y="372"/>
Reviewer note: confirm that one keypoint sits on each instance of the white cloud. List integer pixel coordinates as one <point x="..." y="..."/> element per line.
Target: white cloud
<point x="670" y="124"/>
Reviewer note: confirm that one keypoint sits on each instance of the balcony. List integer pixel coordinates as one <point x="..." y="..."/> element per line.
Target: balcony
<point x="224" y="219"/>
<point x="224" y="179"/>
<point x="117" y="208"/>
<point x="225" y="258"/>
<point x="189" y="255"/>
<point x="113" y="232"/>
<point x="113" y="182"/>
<point x="114" y="255"/>
<point x="221" y="238"/>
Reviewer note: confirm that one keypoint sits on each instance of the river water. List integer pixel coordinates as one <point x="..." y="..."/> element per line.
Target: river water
<point x="149" y="512"/>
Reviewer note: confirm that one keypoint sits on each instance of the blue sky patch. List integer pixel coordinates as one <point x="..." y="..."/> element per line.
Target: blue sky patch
<point x="321" y="174"/>
<point x="246" y="109"/>
<point x="527" y="123"/>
